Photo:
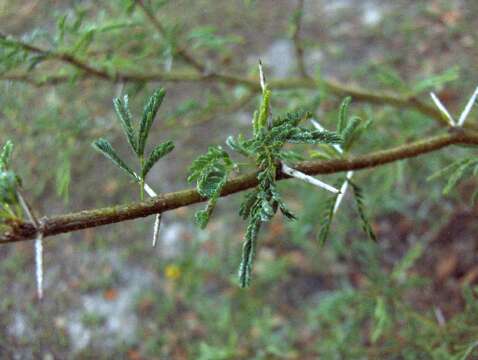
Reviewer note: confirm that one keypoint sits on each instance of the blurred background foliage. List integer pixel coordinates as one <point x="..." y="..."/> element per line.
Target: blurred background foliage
<point x="411" y="295"/>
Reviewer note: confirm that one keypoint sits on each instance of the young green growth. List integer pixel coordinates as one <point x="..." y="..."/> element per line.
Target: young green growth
<point x="210" y="171"/>
<point x="350" y="128"/>
<point x="137" y="139"/>
<point x="9" y="183"/>
<point x="266" y="149"/>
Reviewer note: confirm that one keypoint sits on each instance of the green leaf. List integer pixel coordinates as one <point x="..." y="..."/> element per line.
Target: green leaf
<point x="292" y="118"/>
<point x="367" y="228"/>
<point x="381" y="319"/>
<point x="6" y="155"/>
<point x="326" y="220"/>
<point x="215" y="155"/>
<point x="63" y="176"/>
<point x="448" y="169"/>
<point x="210" y="185"/>
<point x="126" y="120"/>
<point x="350" y="132"/>
<point x="157" y="153"/>
<point x="410" y="258"/>
<point x="307" y="136"/>
<point x="436" y="80"/>
<point x="248" y="252"/>
<point x="210" y="171"/>
<point x="149" y="113"/>
<point x="103" y="146"/>
<point x="210" y="182"/>
<point x="8" y="188"/>
<point x="267" y="211"/>
<point x="343" y="110"/>
<point x="207" y="37"/>
<point x="201" y="218"/>
<point x="248" y="203"/>
<point x="260" y="121"/>
<point x="239" y="145"/>
<point x="458" y="175"/>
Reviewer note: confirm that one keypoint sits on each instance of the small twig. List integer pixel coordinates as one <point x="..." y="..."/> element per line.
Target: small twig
<point x="181" y="51"/>
<point x="299" y="49"/>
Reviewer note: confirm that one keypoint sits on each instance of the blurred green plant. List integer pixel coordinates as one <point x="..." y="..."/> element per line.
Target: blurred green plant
<point x="9" y="182"/>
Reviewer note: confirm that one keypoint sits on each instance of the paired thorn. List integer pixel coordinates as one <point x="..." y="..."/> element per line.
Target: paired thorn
<point x="345" y="184"/>
<point x="466" y="111"/>
<point x="157" y="219"/>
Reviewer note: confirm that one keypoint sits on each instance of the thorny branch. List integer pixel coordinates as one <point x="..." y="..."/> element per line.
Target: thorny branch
<point x="22" y="231"/>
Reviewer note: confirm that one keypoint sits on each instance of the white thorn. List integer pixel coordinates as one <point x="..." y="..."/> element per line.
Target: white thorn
<point x="439" y="316"/>
<point x="443" y="109"/>
<point x="157" y="222"/>
<point x="262" y="77"/>
<point x="149" y="191"/>
<point x="317" y="125"/>
<point x="468" y="108"/>
<point x="308" y="179"/>
<point x="157" y="219"/>
<point x="321" y="128"/>
<point x="343" y="189"/>
<point x="39" y="264"/>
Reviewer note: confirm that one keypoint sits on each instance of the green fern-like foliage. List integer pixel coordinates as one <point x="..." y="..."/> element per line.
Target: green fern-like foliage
<point x="327" y="216"/>
<point x="137" y="137"/>
<point x="9" y="183"/>
<point x="350" y="129"/>
<point x="266" y="148"/>
<point x="457" y="172"/>
<point x="210" y="171"/>
<point x="359" y="200"/>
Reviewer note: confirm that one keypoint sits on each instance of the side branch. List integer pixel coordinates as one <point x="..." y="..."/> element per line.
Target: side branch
<point x="91" y="71"/>
<point x="181" y="51"/>
<point x="92" y="218"/>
